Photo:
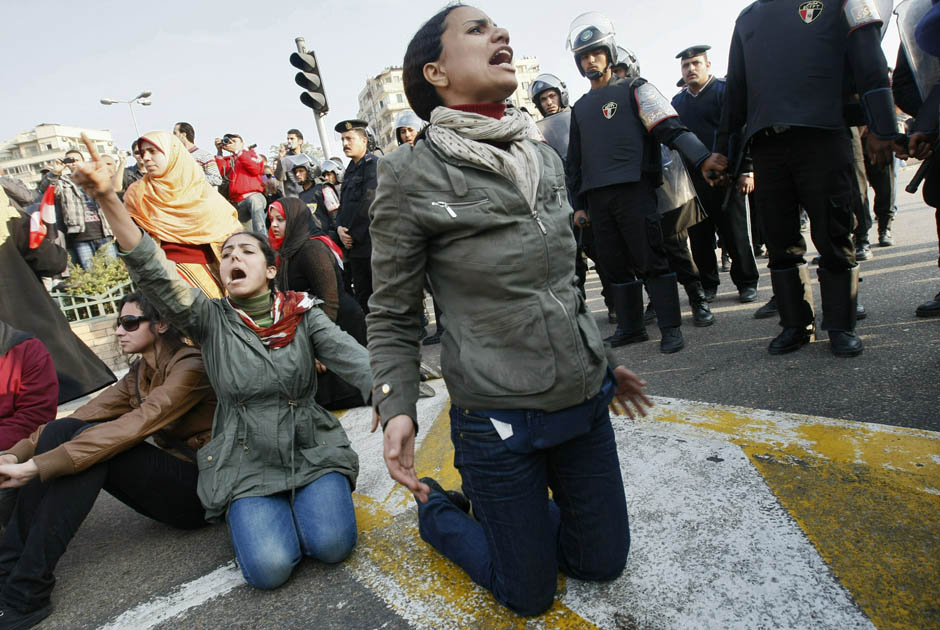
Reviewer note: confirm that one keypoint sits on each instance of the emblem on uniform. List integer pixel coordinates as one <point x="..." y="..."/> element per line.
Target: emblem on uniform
<point x="586" y="35"/>
<point x="809" y="11"/>
<point x="609" y="110"/>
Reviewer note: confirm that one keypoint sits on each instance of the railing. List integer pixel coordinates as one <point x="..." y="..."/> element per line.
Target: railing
<point x="81" y="307"/>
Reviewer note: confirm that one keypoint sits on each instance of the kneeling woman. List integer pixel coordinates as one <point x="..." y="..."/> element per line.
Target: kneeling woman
<point x="279" y="466"/>
<point x="65" y="464"/>
<point x="482" y="210"/>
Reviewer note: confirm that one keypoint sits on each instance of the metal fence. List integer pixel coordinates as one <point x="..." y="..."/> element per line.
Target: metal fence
<point x="81" y="307"/>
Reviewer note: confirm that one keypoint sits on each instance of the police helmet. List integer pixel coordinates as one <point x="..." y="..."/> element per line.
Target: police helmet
<point x="333" y="167"/>
<point x="627" y="59"/>
<point x="313" y="169"/>
<point x="407" y="118"/>
<point x="590" y="31"/>
<point x="545" y="82"/>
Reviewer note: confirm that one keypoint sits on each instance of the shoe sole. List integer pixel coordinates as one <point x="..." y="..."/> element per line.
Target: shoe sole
<point x="747" y="300"/>
<point x="927" y="314"/>
<point x="702" y="323"/>
<point x="847" y="355"/>
<point x="791" y="348"/>
<point x="671" y="350"/>
<point x="628" y="341"/>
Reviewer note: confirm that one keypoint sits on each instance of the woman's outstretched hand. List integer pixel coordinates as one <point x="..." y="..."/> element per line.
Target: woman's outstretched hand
<point x="400" y="453"/>
<point x="630" y="391"/>
<point x="94" y="176"/>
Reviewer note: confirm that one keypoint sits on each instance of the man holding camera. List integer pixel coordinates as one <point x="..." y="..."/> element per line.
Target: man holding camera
<point x="290" y="155"/>
<point x="241" y="180"/>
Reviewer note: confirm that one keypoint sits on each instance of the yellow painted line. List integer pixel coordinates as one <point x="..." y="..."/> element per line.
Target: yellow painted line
<point x="866" y="495"/>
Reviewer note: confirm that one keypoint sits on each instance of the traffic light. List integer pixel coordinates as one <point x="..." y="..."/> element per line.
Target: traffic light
<point x="309" y="79"/>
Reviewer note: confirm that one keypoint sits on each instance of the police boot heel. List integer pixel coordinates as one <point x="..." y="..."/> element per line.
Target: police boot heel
<point x="628" y="302"/>
<point x="664" y="294"/>
<point x="839" y="291"/>
<point x="701" y="315"/>
<point x="794" y="295"/>
<point x="931" y="308"/>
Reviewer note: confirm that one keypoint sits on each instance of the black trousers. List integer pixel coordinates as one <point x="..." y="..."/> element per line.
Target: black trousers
<point x="360" y="270"/>
<point x="731" y="224"/>
<point x="863" y="220"/>
<point x="680" y="259"/>
<point x="627" y="233"/>
<point x="589" y="244"/>
<point x="812" y="168"/>
<point x="47" y="515"/>
<point x="881" y="179"/>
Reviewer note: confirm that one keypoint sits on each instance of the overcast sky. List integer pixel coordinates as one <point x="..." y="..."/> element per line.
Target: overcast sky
<point x="223" y="66"/>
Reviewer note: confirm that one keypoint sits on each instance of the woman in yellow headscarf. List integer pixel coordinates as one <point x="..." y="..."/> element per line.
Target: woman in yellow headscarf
<point x="176" y="206"/>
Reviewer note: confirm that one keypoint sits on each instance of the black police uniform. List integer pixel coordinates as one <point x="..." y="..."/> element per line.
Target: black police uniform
<point x="702" y="114"/>
<point x="800" y="147"/>
<point x="356" y="195"/>
<point x="613" y="167"/>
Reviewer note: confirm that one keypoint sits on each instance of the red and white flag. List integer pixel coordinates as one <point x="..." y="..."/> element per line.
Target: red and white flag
<point x="38" y="219"/>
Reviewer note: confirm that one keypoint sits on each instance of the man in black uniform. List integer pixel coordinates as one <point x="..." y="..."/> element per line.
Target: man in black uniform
<point x="356" y="195"/>
<point x="699" y="105"/>
<point x="800" y="147"/>
<point x="613" y="168"/>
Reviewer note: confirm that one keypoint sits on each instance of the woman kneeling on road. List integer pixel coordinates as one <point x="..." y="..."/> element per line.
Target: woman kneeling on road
<point x="482" y="210"/>
<point x="65" y="464"/>
<point x="279" y="467"/>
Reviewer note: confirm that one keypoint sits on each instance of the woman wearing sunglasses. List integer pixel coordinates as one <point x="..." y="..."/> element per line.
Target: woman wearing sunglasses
<point x="61" y="468"/>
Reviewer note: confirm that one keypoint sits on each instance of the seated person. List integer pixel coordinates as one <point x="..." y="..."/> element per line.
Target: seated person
<point x="63" y="465"/>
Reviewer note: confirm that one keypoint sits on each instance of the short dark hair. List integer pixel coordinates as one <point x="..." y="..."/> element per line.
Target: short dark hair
<point x="235" y="135"/>
<point x="187" y="130"/>
<point x="296" y="132"/>
<point x="424" y="48"/>
<point x="172" y="339"/>
<point x="270" y="256"/>
<point x="76" y="152"/>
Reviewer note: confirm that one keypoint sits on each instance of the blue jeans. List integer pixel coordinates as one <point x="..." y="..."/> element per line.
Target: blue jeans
<point x="269" y="534"/>
<point x="251" y="212"/>
<point x="83" y="251"/>
<point x="520" y="537"/>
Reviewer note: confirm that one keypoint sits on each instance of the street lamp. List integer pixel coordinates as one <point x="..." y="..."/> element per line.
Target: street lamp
<point x="140" y="99"/>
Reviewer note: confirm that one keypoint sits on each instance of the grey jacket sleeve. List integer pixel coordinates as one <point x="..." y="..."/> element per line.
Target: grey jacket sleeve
<point x="339" y="352"/>
<point x="399" y="256"/>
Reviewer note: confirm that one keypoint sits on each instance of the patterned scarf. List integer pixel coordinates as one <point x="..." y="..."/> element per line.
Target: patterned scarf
<point x="467" y="137"/>
<point x="288" y="311"/>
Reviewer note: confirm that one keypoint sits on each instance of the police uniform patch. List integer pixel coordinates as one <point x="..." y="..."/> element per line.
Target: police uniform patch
<point x="653" y="106"/>
<point x="809" y="11"/>
<point x="861" y="12"/>
<point x="609" y="109"/>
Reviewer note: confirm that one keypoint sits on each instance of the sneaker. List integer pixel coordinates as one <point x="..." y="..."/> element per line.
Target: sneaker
<point x="455" y="497"/>
<point x="747" y="295"/>
<point x="12" y="619"/>
<point x="885" y="239"/>
<point x="863" y="252"/>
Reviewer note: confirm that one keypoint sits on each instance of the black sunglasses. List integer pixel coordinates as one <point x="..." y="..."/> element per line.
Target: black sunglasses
<point x="130" y="322"/>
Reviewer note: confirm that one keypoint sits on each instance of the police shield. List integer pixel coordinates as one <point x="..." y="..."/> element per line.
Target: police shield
<point x="677" y="188"/>
<point x="555" y="128"/>
<point x="924" y="67"/>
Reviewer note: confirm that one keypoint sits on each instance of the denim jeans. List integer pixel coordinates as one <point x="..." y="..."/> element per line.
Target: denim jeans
<point x="251" y="212"/>
<point x="82" y="251"/>
<point x="520" y="538"/>
<point x="269" y="534"/>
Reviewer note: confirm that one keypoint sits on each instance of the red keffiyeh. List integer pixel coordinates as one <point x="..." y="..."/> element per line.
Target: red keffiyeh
<point x="287" y="312"/>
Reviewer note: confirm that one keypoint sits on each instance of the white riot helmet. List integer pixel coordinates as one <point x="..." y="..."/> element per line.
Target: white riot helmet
<point x="332" y="167"/>
<point x="628" y="60"/>
<point x="590" y="31"/>
<point x="407" y="118"/>
<point x="545" y="82"/>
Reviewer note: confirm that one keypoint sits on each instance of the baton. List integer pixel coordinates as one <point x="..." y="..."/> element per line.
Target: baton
<point x="921" y="173"/>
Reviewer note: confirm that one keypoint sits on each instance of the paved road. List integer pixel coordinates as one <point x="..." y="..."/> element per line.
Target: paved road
<point x="764" y="492"/>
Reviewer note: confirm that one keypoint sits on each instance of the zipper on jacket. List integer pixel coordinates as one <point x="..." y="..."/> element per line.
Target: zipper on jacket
<point x="558" y="190"/>
<point x="449" y="206"/>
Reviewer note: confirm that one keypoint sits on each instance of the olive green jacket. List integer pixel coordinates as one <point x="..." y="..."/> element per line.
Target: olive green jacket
<point x="268" y="435"/>
<point x="518" y="333"/>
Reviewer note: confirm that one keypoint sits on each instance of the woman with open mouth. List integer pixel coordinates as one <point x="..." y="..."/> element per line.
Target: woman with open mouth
<point x="482" y="210"/>
<point x="279" y="467"/>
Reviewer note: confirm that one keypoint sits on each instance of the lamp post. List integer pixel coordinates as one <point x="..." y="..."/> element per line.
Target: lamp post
<point x="140" y="99"/>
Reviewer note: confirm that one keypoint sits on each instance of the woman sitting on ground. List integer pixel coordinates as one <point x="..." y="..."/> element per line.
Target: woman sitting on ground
<point x="481" y="209"/>
<point x="308" y="260"/>
<point x="61" y="468"/>
<point x="279" y="467"/>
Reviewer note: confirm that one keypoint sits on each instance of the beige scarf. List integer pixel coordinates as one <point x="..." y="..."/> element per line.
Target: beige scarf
<point x="465" y="136"/>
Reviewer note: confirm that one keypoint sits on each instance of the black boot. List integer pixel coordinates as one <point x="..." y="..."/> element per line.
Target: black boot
<point x="767" y="310"/>
<point x="794" y="295"/>
<point x="628" y="302"/>
<point x="839" y="291"/>
<point x="930" y="308"/>
<point x="701" y="315"/>
<point x="649" y="315"/>
<point x="664" y="295"/>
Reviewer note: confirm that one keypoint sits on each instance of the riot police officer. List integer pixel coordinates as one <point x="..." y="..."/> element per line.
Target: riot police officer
<point x="699" y="105"/>
<point x="407" y="127"/>
<point x="614" y="166"/>
<point x="799" y="144"/>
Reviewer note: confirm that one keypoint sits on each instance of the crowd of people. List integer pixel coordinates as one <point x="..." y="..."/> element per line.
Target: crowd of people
<point x="260" y="286"/>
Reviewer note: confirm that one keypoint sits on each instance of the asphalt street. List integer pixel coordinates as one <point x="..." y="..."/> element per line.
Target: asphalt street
<point x="800" y="491"/>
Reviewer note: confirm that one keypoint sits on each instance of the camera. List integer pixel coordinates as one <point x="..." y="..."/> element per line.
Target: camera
<point x="69" y="160"/>
<point x="226" y="139"/>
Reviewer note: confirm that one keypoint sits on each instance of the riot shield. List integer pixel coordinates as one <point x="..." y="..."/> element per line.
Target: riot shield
<point x="556" y="128"/>
<point x="924" y="67"/>
<point x="884" y="12"/>
<point x="677" y="188"/>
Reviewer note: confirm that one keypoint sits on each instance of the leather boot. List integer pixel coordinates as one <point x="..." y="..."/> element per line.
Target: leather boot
<point x="664" y="295"/>
<point x="794" y="295"/>
<point x="701" y="315"/>
<point x="628" y="302"/>
<point x="930" y="308"/>
<point x="839" y="291"/>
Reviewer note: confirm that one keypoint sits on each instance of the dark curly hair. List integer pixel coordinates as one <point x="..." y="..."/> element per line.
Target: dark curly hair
<point x="171" y="340"/>
<point x="424" y="48"/>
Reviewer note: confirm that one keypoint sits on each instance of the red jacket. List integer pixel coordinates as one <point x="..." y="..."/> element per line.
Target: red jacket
<point x="29" y="391"/>
<point x="243" y="172"/>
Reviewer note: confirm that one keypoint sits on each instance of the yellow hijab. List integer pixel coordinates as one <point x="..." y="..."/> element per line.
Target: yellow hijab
<point x="7" y="212"/>
<point x="178" y="205"/>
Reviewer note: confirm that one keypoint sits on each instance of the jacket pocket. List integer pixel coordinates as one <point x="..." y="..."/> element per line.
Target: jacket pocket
<point x="507" y="353"/>
<point x="213" y="486"/>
